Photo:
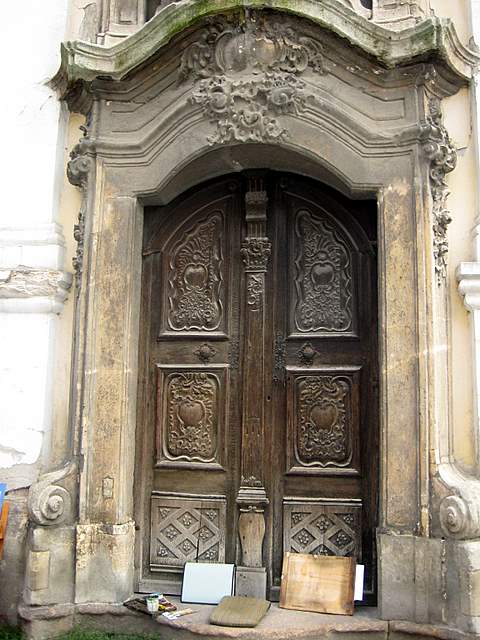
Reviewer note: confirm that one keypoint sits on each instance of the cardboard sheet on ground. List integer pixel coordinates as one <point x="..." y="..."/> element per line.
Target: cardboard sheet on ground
<point x="207" y="583"/>
<point x="323" y="584"/>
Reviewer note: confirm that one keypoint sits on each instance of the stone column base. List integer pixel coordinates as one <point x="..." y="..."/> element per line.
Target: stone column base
<point x="463" y="584"/>
<point x="104" y="555"/>
<point x="411" y="578"/>
<point x="429" y="581"/>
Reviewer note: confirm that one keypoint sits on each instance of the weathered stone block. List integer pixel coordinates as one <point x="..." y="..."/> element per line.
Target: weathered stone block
<point x="410" y="575"/>
<point x="104" y="562"/>
<point x="50" y="566"/>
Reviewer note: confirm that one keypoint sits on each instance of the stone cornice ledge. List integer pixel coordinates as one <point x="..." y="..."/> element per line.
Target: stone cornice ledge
<point x="83" y="61"/>
<point x="468" y="276"/>
<point x="30" y="290"/>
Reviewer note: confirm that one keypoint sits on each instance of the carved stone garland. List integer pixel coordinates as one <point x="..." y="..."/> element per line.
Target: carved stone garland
<point x="246" y="75"/>
<point x="78" y="171"/>
<point x="442" y="155"/>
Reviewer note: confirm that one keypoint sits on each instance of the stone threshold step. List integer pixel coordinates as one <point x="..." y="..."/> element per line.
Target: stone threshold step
<point x="279" y="624"/>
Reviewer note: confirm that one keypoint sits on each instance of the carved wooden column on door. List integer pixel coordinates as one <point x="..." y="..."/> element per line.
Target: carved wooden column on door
<point x="252" y="497"/>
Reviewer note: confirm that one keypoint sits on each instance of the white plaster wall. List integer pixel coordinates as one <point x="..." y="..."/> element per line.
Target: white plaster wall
<point x="31" y="37"/>
<point x="475" y="10"/>
<point x="465" y="183"/>
<point x="25" y="405"/>
<point x="34" y="126"/>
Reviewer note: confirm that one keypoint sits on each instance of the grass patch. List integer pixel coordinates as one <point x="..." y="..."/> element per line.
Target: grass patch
<point x="83" y="634"/>
<point x="9" y="633"/>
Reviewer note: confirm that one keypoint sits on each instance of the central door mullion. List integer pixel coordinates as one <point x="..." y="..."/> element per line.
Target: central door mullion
<point x="252" y="497"/>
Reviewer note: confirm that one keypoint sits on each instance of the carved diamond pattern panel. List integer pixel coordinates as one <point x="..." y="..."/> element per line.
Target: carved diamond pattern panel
<point x="195" y="278"/>
<point x="323" y="278"/>
<point x="323" y="420"/>
<point x="322" y="528"/>
<point x="185" y="530"/>
<point x="191" y="416"/>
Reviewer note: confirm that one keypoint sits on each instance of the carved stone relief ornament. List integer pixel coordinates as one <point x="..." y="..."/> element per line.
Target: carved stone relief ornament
<point x="442" y="155"/>
<point x="246" y="75"/>
<point x="49" y="503"/>
<point x="78" y="170"/>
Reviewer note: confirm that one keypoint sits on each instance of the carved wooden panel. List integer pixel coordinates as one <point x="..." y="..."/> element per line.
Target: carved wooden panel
<point x="323" y="279"/>
<point x="196" y="279"/>
<point x="191" y="414"/>
<point x="322" y="527"/>
<point x="186" y="529"/>
<point x="323" y="421"/>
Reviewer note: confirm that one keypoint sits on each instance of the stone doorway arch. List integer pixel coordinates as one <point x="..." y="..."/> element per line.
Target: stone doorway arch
<point x="176" y="104"/>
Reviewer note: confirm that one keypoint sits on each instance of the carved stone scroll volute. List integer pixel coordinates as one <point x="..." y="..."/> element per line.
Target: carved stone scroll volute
<point x="252" y="497"/>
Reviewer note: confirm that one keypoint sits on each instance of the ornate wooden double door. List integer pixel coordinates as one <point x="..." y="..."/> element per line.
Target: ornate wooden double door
<point x="258" y="403"/>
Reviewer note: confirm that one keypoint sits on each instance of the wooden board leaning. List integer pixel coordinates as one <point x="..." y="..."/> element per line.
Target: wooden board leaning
<point x="323" y="584"/>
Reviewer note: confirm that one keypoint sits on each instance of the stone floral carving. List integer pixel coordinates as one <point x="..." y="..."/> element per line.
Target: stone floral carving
<point x="244" y="110"/>
<point x="262" y="43"/>
<point x="248" y="75"/>
<point x="79" y="169"/>
<point x="81" y="160"/>
<point x="48" y="502"/>
<point x="442" y="156"/>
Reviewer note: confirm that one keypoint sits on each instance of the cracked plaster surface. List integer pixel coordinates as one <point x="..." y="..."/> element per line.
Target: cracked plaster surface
<point x="24" y="282"/>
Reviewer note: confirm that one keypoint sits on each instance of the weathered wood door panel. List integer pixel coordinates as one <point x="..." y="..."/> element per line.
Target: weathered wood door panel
<point x="257" y="408"/>
<point x="324" y="406"/>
